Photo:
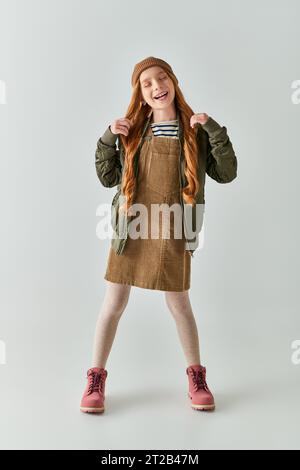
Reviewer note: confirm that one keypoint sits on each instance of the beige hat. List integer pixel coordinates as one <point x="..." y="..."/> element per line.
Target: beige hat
<point x="145" y="64"/>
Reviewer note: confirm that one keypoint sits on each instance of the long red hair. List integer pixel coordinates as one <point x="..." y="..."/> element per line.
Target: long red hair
<point x="137" y="113"/>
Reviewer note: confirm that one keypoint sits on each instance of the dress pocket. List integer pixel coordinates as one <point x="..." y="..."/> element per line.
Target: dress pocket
<point x="162" y="172"/>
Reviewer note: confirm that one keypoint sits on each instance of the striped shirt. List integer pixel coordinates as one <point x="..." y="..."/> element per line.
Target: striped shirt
<point x="165" y="129"/>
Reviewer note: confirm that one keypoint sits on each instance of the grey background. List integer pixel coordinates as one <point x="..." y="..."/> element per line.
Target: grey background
<point x="67" y="67"/>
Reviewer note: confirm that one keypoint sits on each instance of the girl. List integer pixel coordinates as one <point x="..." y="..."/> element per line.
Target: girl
<point x="164" y="152"/>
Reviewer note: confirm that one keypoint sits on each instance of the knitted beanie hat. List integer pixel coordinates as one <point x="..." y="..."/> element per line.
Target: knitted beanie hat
<point x="145" y="64"/>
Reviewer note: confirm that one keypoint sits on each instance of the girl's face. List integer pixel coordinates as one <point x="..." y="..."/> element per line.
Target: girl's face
<point x="155" y="81"/>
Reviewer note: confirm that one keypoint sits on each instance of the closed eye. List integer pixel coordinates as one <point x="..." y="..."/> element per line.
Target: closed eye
<point x="161" y="78"/>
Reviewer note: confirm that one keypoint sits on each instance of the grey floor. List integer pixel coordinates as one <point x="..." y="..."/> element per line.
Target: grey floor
<point x="255" y="383"/>
<point x="151" y="413"/>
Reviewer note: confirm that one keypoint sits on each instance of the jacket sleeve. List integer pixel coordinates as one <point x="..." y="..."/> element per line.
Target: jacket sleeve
<point x="107" y="160"/>
<point x="221" y="161"/>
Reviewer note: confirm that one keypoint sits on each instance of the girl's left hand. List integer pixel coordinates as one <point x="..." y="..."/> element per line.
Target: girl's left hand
<point x="200" y="118"/>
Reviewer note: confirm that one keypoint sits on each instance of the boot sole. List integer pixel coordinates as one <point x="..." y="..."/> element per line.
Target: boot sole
<point x="91" y="410"/>
<point x="201" y="407"/>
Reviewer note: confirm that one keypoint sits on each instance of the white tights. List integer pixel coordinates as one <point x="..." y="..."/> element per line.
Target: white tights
<point x="114" y="303"/>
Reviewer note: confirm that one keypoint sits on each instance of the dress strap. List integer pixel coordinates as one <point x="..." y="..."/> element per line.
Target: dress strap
<point x="149" y="133"/>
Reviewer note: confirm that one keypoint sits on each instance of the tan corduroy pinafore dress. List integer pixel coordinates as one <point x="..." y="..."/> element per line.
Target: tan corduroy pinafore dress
<point x="154" y="263"/>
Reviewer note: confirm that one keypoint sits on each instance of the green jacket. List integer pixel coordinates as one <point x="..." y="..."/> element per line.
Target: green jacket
<point x="217" y="159"/>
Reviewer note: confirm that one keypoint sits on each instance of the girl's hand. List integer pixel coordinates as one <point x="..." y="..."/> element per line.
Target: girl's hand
<point x="200" y="118"/>
<point x="120" y="126"/>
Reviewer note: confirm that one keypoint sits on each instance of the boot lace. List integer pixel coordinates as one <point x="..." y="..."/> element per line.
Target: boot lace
<point x="199" y="382"/>
<point x="95" y="382"/>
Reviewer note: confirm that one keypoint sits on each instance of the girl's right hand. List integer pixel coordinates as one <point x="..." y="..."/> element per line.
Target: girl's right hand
<point x="120" y="126"/>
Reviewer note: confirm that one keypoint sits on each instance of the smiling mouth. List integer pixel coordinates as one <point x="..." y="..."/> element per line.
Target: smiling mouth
<point x="162" y="97"/>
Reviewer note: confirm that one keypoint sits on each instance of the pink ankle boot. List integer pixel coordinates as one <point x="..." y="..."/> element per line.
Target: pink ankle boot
<point x="199" y="393"/>
<point x="94" y="393"/>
